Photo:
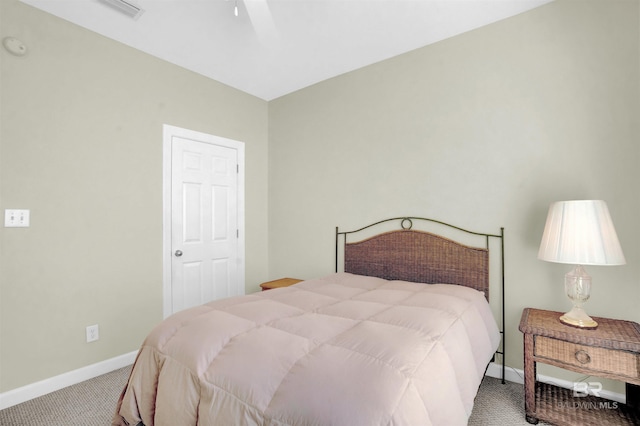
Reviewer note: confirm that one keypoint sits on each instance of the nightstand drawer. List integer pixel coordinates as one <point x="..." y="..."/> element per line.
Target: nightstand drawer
<point x="588" y="357"/>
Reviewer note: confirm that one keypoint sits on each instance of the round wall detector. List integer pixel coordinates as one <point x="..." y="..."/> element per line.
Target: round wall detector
<point x="14" y="46"/>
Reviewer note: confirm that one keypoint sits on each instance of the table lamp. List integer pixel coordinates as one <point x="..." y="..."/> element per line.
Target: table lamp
<point x="581" y="233"/>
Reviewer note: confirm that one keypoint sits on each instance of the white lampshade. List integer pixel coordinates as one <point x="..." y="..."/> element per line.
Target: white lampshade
<point x="582" y="233"/>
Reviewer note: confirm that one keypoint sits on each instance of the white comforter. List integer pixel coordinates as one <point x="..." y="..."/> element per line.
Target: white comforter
<point x="341" y="350"/>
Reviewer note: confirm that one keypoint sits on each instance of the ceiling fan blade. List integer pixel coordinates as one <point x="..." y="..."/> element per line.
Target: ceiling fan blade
<point x="262" y="21"/>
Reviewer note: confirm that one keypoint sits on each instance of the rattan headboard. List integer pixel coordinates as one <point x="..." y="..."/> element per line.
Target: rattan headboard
<point x="418" y="256"/>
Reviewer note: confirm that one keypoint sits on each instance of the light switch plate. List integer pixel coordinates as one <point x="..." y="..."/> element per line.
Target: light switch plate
<point x="14" y="218"/>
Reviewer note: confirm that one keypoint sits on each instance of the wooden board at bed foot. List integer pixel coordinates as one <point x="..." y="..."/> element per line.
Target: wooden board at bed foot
<point x="281" y="282"/>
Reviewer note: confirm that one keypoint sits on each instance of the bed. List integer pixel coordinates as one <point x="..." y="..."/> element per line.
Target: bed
<point x="368" y="344"/>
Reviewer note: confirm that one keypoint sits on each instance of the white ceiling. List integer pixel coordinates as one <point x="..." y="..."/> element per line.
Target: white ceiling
<point x="275" y="47"/>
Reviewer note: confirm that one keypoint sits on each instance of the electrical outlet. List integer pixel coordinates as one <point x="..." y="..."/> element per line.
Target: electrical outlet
<point x="92" y="333"/>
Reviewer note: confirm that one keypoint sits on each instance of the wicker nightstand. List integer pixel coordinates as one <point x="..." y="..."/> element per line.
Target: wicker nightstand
<point x="281" y="282"/>
<point x="612" y="350"/>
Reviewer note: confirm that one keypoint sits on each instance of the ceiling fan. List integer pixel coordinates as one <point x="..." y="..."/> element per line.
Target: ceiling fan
<point x="127" y="7"/>
<point x="257" y="10"/>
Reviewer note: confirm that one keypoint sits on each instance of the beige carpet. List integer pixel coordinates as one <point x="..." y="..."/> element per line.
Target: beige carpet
<point x="92" y="403"/>
<point x="498" y="404"/>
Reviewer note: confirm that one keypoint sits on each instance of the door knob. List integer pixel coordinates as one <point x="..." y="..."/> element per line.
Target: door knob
<point x="178" y="253"/>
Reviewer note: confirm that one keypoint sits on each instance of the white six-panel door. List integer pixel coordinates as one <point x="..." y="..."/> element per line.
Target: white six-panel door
<point x="205" y="254"/>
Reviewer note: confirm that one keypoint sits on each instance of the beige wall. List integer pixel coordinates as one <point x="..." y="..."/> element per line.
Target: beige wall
<point x="81" y="147"/>
<point x="482" y="130"/>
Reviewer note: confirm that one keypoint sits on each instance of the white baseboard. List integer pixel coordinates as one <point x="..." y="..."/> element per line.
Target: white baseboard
<point x="517" y="376"/>
<point x="43" y="387"/>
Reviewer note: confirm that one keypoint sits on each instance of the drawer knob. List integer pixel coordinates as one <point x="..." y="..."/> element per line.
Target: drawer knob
<point x="583" y="357"/>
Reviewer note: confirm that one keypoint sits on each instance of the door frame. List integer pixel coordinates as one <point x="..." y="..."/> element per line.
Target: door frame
<point x="168" y="132"/>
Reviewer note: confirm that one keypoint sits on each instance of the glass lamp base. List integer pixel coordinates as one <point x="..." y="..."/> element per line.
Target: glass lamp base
<point x="577" y="317"/>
